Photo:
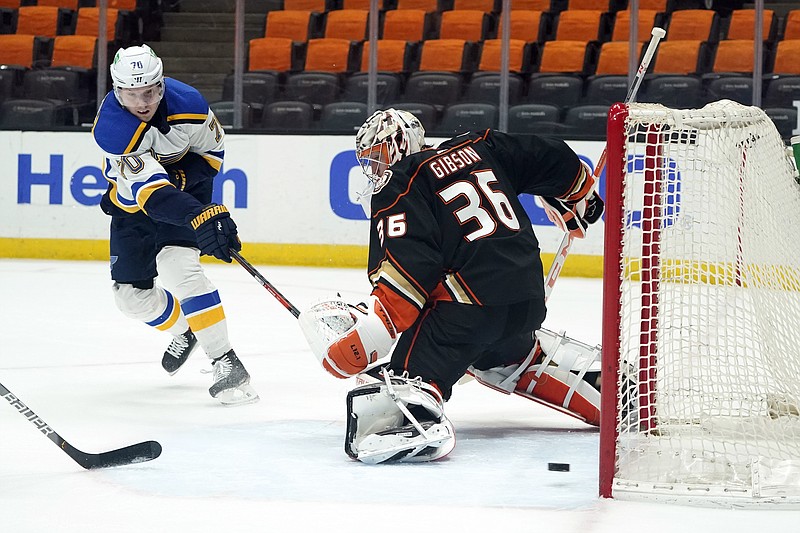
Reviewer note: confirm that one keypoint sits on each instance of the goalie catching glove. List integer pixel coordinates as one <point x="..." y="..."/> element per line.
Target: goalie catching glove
<point x="216" y="232"/>
<point x="347" y="338"/>
<point x="579" y="207"/>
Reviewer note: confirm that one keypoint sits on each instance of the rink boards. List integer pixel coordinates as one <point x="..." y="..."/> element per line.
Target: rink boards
<point x="293" y="199"/>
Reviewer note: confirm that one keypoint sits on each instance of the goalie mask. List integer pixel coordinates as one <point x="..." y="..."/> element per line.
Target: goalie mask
<point x="385" y="138"/>
<point x="138" y="77"/>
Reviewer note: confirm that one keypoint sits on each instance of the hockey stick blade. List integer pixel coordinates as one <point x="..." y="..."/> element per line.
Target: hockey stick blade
<point x="136" y="453"/>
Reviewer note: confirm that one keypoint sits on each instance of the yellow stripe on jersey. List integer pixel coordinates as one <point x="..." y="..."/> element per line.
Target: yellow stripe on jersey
<point x="112" y="195"/>
<point x="206" y="319"/>
<point x="143" y="194"/>
<point x="136" y="137"/>
<point x="187" y="116"/>
<point x="214" y="162"/>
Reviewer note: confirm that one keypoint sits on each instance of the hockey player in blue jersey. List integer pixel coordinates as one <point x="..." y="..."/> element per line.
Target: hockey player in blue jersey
<point x="163" y="146"/>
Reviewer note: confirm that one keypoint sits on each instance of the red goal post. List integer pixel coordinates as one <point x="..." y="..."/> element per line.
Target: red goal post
<point x="701" y="308"/>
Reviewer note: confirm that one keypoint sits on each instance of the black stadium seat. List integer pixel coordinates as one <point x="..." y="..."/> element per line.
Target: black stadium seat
<point x="288" y="116"/>
<point x="342" y="117"/>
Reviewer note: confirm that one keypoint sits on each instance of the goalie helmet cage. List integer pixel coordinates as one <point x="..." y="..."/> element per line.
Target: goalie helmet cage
<point x="701" y="307"/>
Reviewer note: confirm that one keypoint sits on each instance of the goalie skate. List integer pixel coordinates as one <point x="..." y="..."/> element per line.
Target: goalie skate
<point x="397" y="419"/>
<point x="405" y="444"/>
<point x="231" y="381"/>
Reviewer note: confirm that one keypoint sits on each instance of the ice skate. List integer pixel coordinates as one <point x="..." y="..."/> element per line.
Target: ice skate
<point x="178" y="351"/>
<point x="231" y="381"/>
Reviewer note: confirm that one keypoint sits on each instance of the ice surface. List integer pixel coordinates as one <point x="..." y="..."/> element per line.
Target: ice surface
<point x="278" y="465"/>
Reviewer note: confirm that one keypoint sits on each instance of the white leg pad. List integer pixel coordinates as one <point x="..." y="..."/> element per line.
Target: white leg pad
<point x="559" y="380"/>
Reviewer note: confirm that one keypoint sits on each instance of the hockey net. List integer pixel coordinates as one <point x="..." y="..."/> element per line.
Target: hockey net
<point x="701" y="335"/>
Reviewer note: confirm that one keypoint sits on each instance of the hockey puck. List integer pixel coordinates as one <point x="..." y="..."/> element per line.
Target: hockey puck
<point x="558" y="467"/>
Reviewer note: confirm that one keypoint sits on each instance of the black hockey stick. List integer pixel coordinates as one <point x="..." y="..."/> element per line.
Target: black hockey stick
<point x="136" y="453"/>
<point x="266" y="284"/>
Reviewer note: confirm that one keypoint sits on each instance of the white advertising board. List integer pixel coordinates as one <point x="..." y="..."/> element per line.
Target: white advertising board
<point x="289" y="193"/>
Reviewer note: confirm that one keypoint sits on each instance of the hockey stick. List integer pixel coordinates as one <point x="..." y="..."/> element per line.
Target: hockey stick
<point x="656" y="34"/>
<point x="266" y="284"/>
<point x="136" y="453"/>
<point x="566" y="243"/>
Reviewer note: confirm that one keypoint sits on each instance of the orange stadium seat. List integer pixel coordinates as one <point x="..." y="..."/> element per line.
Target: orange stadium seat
<point x="348" y="24"/>
<point x="47" y="21"/>
<point x="9" y="4"/>
<point x="786" y="56"/>
<point x="271" y="53"/>
<point x="488" y="6"/>
<point x="328" y="54"/>
<point x="490" y="55"/>
<point x="579" y="25"/>
<point x="405" y="24"/>
<point x="743" y="22"/>
<point x="656" y="5"/>
<point x="677" y="57"/>
<point x="648" y="19"/>
<point x="358" y="4"/>
<point x="531" y="5"/>
<point x="734" y="56"/>
<point x="524" y="25"/>
<point x="392" y="55"/>
<point x="613" y="59"/>
<point x="75" y="51"/>
<point x="425" y="5"/>
<point x="89" y="22"/>
<point x="292" y="24"/>
<point x="563" y="56"/>
<point x="599" y="5"/>
<point x="692" y="24"/>
<point x="17" y="49"/>
<point x="447" y="55"/>
<point x="122" y="5"/>
<point x="470" y="25"/>
<point x="317" y="6"/>
<point x="66" y="4"/>
<point x="792" y="28"/>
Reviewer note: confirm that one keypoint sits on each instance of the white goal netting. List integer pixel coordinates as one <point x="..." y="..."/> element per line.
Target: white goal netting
<point x="709" y="309"/>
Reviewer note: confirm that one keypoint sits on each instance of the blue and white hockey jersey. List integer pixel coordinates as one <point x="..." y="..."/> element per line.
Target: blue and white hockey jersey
<point x="137" y="152"/>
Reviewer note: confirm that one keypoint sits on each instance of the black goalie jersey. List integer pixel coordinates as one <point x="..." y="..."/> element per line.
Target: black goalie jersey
<point x="449" y="226"/>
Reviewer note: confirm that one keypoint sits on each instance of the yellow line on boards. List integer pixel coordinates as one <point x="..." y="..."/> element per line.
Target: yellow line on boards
<point x="324" y="255"/>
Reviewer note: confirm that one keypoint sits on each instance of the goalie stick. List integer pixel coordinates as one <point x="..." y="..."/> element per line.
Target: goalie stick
<point x="656" y="34"/>
<point x="136" y="453"/>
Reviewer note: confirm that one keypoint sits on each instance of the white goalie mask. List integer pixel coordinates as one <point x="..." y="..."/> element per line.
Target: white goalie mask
<point x="385" y="138"/>
<point x="138" y="76"/>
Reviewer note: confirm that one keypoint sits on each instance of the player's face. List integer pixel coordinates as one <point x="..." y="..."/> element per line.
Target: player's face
<point x="374" y="160"/>
<point x="142" y="101"/>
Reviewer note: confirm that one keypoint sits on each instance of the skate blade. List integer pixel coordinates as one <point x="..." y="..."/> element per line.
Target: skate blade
<point x="241" y="395"/>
